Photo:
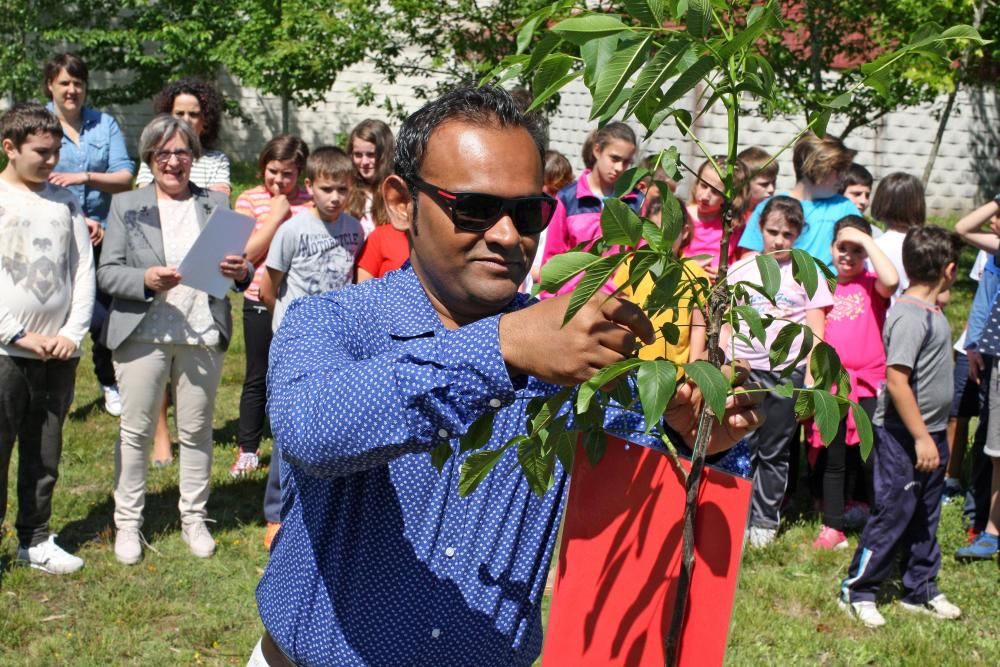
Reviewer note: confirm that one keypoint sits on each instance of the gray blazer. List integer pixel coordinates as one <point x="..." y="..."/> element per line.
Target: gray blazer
<point x="133" y="242"/>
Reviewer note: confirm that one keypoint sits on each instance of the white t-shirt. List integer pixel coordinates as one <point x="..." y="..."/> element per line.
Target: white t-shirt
<point x="46" y="266"/>
<point x="315" y="256"/>
<point x="891" y="243"/>
<point x="180" y="315"/>
<point x="791" y="301"/>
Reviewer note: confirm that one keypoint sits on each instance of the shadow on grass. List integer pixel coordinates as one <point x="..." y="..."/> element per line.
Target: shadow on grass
<point x="232" y="504"/>
<point x="86" y="410"/>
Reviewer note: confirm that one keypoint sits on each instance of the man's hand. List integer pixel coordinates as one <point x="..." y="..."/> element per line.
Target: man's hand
<point x="534" y="342"/>
<point x="60" y="347"/>
<point x="96" y="231"/>
<point x="161" y="278"/>
<point x="741" y="417"/>
<point x="976" y="365"/>
<point x="35" y="343"/>
<point x="927" y="454"/>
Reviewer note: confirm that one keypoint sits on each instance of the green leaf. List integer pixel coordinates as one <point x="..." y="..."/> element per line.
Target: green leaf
<point x="671" y="332"/>
<point x="818" y="121"/>
<point x="699" y="17"/>
<point x="653" y="236"/>
<point x="536" y="465"/>
<point x="713" y="384"/>
<point x="804" y="271"/>
<point x="613" y="77"/>
<point x="601" y="378"/>
<point x="825" y="365"/>
<point x="657" y="381"/>
<point x="562" y="268"/>
<point x="783" y="343"/>
<point x="593" y="280"/>
<point x="841" y="101"/>
<point x="479" y="433"/>
<point x="566" y="449"/>
<point x="864" y="427"/>
<point x="750" y="315"/>
<point x="553" y="68"/>
<point x="756" y="27"/>
<point x="787" y="390"/>
<point x="827" y="416"/>
<point x="526" y="32"/>
<point x="687" y="80"/>
<point x="672" y="218"/>
<point x="655" y="73"/>
<point x="594" y="444"/>
<point x="626" y="182"/>
<point x="804" y="349"/>
<point x="542" y="97"/>
<point x="595" y="54"/>
<point x="804" y="407"/>
<point x="620" y="225"/>
<point x="582" y="29"/>
<point x="770" y="274"/>
<point x="477" y="466"/>
<point x="546" y="45"/>
<point x="641" y="10"/>
<point x="440" y="455"/>
<point x="831" y="277"/>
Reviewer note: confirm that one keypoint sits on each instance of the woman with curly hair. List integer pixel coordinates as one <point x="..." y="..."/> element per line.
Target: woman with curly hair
<point x="200" y="105"/>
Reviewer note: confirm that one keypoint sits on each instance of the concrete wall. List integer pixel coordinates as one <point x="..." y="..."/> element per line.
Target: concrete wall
<point x="966" y="172"/>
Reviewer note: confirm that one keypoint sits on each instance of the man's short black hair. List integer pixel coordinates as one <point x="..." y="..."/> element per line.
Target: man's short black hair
<point x="927" y="250"/>
<point x="856" y="175"/>
<point x="485" y="106"/>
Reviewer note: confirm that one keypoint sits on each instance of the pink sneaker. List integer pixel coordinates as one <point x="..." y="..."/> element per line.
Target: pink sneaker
<point x="830" y="538"/>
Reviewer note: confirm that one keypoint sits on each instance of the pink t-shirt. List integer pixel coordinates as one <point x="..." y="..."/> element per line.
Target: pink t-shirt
<point x="706" y="238"/>
<point x="791" y="301"/>
<point x="854" y="329"/>
<point x="256" y="203"/>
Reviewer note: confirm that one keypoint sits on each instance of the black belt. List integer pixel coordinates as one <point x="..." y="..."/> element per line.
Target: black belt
<point x="274" y="656"/>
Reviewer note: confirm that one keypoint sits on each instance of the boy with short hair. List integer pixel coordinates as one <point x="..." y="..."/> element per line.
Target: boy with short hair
<point x="820" y="164"/>
<point x="316" y="250"/>
<point x="47" y="282"/>
<point x="763" y="172"/>
<point x="857" y="186"/>
<point x="911" y="453"/>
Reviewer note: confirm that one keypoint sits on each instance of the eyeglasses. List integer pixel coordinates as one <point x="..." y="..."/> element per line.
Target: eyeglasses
<point x="477" y="212"/>
<point x="163" y="157"/>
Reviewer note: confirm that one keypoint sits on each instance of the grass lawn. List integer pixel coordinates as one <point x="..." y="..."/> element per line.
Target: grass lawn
<point x="176" y="609"/>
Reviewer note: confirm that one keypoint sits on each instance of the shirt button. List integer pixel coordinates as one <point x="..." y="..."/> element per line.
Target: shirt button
<point x="442" y="433"/>
<point x="495" y="403"/>
<point x="435" y="633"/>
<point x="449" y="552"/>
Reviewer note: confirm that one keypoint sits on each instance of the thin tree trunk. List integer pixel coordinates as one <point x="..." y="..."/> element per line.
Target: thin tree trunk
<point x="977" y="20"/>
<point x="285" y="111"/>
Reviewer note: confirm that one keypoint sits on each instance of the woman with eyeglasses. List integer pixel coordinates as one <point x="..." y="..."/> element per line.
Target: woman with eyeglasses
<point x="93" y="165"/>
<point x="160" y="330"/>
<point x="199" y="104"/>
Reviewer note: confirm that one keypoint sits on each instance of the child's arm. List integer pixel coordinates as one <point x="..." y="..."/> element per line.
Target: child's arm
<point x="969" y="228"/>
<point x="270" y="283"/>
<point x="260" y="239"/>
<point x="697" y="346"/>
<point x="816" y="321"/>
<point x="898" y="386"/>
<point x="888" y="277"/>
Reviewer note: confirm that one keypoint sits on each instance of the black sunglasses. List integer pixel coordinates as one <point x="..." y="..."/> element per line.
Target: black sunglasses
<point x="477" y="212"/>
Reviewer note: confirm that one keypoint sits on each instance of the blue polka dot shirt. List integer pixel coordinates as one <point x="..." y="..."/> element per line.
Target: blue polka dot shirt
<point x="378" y="561"/>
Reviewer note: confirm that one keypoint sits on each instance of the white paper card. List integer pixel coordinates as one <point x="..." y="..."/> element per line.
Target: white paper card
<point x="225" y="233"/>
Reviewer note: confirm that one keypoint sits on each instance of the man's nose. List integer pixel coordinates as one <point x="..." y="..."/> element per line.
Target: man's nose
<point x="504" y="232"/>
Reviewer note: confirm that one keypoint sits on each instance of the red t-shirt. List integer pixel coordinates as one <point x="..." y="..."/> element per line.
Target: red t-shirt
<point x="386" y="250"/>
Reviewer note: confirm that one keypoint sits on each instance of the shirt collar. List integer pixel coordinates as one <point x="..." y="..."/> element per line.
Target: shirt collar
<point x="418" y="319"/>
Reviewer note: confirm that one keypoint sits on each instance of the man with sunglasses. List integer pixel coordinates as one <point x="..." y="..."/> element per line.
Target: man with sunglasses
<point x="378" y="560"/>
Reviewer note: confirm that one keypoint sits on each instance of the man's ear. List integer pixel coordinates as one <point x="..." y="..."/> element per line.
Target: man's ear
<point x="8" y="148"/>
<point x="398" y="203"/>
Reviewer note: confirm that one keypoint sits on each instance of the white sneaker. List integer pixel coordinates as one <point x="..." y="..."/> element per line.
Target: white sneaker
<point x="198" y="538"/>
<point x="128" y="546"/>
<point x="112" y="400"/>
<point x="760" y="537"/>
<point x="49" y="557"/>
<point x="864" y="611"/>
<point x="938" y="607"/>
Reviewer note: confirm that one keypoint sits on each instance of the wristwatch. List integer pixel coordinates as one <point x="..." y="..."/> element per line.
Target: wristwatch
<point x="18" y="336"/>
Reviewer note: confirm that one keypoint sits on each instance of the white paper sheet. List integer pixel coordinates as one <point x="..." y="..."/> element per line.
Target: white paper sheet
<point x="225" y="233"/>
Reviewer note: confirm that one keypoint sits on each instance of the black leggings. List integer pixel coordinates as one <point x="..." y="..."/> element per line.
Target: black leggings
<point x="832" y="467"/>
<point x="253" y="401"/>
